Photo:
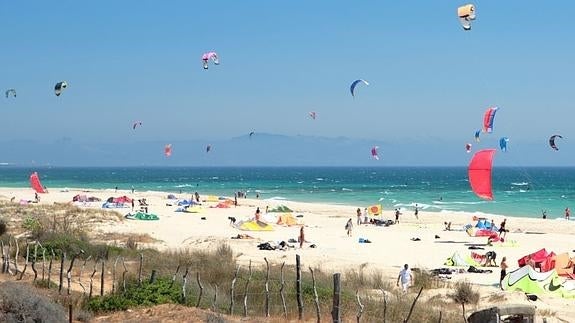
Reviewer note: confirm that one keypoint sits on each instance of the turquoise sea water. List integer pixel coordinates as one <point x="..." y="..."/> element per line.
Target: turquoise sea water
<point x="518" y="191"/>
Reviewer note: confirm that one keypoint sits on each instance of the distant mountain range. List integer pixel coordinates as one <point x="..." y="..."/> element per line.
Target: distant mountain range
<point x="263" y="149"/>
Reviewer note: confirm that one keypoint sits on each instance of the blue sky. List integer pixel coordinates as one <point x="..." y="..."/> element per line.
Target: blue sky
<point x="429" y="79"/>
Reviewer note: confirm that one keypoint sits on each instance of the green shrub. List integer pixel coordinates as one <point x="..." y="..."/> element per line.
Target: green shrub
<point x="148" y="294"/>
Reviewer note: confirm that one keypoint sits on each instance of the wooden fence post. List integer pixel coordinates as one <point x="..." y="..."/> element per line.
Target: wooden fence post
<point x="175" y="274"/>
<point x="124" y="274"/>
<point x="3" y="258"/>
<point x="43" y="261"/>
<point x="102" y="277"/>
<point x="440" y="314"/>
<point x="315" y="297"/>
<point x="298" y="287"/>
<point x="282" y="288"/>
<point x="184" y="283"/>
<point x="413" y="305"/>
<point x="201" y="289"/>
<point x="61" y="280"/>
<point x="16" y="257"/>
<point x="231" y="310"/>
<point x="335" y="311"/>
<point x="246" y="290"/>
<point x="80" y="275"/>
<point x="50" y="268"/>
<point x="69" y="272"/>
<point x="140" y="270"/>
<point x="267" y="287"/>
<point x="92" y="278"/>
<point x="33" y="265"/>
<point x="153" y="276"/>
<point x="384" y="306"/>
<point x="26" y="263"/>
<point x="215" y="300"/>
<point x="360" y="311"/>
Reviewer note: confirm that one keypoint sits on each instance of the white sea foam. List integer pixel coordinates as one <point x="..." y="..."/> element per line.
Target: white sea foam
<point x="277" y="198"/>
<point x="346" y="189"/>
<point x="520" y="184"/>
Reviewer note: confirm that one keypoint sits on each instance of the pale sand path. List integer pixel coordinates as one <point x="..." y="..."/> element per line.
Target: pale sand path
<point x="324" y="227"/>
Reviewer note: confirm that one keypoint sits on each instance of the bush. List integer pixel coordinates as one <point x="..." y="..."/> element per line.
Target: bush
<point x="21" y="303"/>
<point x="148" y="294"/>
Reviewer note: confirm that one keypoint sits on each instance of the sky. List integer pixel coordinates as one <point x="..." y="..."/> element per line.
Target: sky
<point x="429" y="79"/>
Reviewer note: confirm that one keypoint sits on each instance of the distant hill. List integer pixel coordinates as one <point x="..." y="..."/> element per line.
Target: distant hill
<point x="263" y="149"/>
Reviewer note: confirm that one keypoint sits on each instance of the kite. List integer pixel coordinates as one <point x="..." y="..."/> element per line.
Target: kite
<point x="60" y="87"/>
<point x="208" y="148"/>
<point x="468" y="148"/>
<point x="488" y="119"/>
<point x="479" y="173"/>
<point x="466" y="14"/>
<point x="36" y="184"/>
<point x="213" y="56"/>
<point x="10" y="92"/>
<point x="477" y="135"/>
<point x="503" y="143"/>
<point x="168" y="150"/>
<point x="137" y="123"/>
<point x="552" y="141"/>
<point x="354" y="84"/>
<point x="251" y="134"/>
<point x="374" y="152"/>
<point x="312" y="115"/>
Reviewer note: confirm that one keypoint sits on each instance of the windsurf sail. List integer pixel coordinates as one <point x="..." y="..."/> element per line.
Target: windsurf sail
<point x="35" y="183"/>
<point x="479" y="173"/>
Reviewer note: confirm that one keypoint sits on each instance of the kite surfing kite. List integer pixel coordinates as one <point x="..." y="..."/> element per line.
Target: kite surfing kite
<point x="488" y="119"/>
<point x="35" y="183"/>
<point x="466" y="14"/>
<point x="354" y="84"/>
<point x="503" y="143"/>
<point x="11" y="92"/>
<point x="251" y="134"/>
<point x="137" y="123"/>
<point x="312" y="115"/>
<point x="477" y="135"/>
<point x="60" y="87"/>
<point x="552" y="141"/>
<point x="479" y="173"/>
<point x="374" y="152"/>
<point x="168" y="150"/>
<point x="468" y="148"/>
<point x="210" y="56"/>
<point x="208" y="148"/>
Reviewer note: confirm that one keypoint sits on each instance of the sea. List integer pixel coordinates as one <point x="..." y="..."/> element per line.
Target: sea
<point x="523" y="192"/>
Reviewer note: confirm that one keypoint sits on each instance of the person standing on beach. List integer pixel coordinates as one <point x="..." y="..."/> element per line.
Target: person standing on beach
<point x="416" y="211"/>
<point x="349" y="227"/>
<point x="365" y="216"/>
<point x="235" y="199"/>
<point x="502" y="230"/>
<point x="406" y="278"/>
<point x="132" y="189"/>
<point x="397" y="213"/>
<point x="132" y="205"/>
<point x="301" y="237"/>
<point x="358" y="216"/>
<point x="567" y="213"/>
<point x="503" y="271"/>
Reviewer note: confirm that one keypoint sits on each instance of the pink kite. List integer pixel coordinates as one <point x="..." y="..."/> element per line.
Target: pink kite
<point x="479" y="173"/>
<point x="35" y="183"/>
<point x="374" y="152"/>
<point x="213" y="56"/>
<point x="168" y="150"/>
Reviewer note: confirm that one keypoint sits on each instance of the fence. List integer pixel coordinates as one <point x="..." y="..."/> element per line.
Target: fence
<point x="98" y="283"/>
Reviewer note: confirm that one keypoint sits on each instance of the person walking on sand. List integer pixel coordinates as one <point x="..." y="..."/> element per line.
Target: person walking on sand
<point x="502" y="230"/>
<point x="503" y="267"/>
<point x="406" y="278"/>
<point x="567" y="213"/>
<point x="358" y="216"/>
<point x="349" y="227"/>
<point x="301" y="237"/>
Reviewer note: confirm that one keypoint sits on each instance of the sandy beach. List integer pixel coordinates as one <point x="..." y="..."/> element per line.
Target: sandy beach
<point x="334" y="251"/>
